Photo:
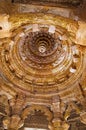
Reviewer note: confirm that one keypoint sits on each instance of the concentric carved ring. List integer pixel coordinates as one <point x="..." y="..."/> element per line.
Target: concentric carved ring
<point x="42" y="43"/>
<point x="41" y="60"/>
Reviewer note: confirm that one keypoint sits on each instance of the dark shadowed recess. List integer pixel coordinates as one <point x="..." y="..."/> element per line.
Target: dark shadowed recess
<point x="50" y="2"/>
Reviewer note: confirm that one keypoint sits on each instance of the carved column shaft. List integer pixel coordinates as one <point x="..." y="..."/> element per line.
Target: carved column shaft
<point x="58" y="121"/>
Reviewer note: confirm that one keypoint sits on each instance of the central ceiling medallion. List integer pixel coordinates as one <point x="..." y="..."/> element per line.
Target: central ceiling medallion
<point x="42" y="48"/>
<point x="42" y="43"/>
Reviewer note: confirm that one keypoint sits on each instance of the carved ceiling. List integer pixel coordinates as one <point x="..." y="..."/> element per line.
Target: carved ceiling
<point x="42" y="69"/>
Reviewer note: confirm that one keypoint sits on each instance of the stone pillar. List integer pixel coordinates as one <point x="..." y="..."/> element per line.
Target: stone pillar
<point x="58" y="120"/>
<point x="60" y="125"/>
<point x="57" y="124"/>
<point x="13" y="123"/>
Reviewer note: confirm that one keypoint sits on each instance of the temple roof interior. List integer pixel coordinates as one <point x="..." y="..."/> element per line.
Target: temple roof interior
<point x="42" y="64"/>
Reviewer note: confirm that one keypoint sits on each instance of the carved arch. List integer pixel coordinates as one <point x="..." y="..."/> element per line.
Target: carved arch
<point x="32" y="108"/>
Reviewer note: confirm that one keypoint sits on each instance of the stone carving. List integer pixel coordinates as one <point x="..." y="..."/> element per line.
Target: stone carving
<point x="40" y="58"/>
<point x="81" y="34"/>
<point x="32" y="108"/>
<point x="51" y="57"/>
<point x="4" y="26"/>
<point x="13" y="123"/>
<point x="11" y="111"/>
<point x="58" y="120"/>
<point x="71" y="107"/>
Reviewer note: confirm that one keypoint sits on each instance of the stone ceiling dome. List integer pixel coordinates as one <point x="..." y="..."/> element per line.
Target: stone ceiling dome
<point x="42" y="65"/>
<point x="41" y="58"/>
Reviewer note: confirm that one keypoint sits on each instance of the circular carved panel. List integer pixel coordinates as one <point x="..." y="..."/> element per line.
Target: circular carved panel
<point x="40" y="59"/>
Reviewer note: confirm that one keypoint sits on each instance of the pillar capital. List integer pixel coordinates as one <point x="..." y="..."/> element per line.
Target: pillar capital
<point x="60" y="125"/>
